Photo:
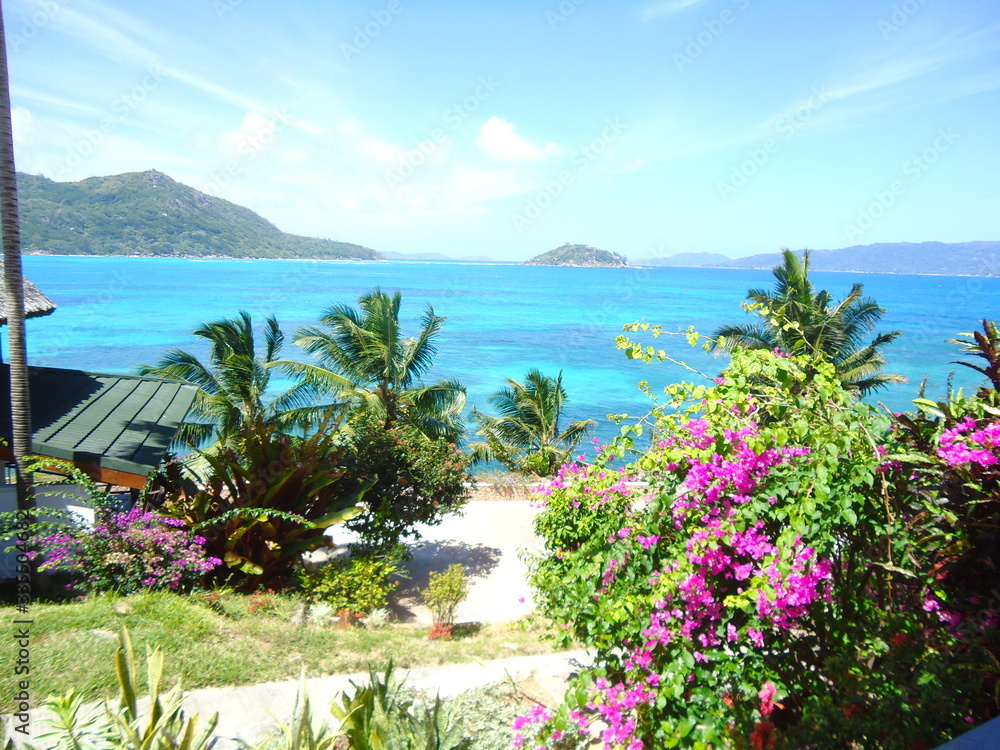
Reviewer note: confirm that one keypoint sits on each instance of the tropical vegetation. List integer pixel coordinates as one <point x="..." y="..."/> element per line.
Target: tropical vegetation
<point x="380" y="713"/>
<point x="232" y="402"/>
<point x="13" y="287"/>
<point x="264" y="506"/>
<point x="363" y="357"/>
<point x="406" y="479"/>
<point x="797" y="319"/>
<point x="783" y="567"/>
<point x="526" y="436"/>
<point x="761" y="561"/>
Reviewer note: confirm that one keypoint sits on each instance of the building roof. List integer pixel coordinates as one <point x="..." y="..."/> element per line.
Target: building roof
<point x="116" y="428"/>
<point x="36" y="304"/>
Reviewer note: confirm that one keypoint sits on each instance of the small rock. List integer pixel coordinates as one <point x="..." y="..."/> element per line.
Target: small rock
<point x="511" y="647"/>
<point x="298" y="616"/>
<point x="122" y="608"/>
<point x="107" y="634"/>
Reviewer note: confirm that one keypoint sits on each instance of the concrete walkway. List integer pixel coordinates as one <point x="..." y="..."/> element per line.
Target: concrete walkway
<point x="487" y="539"/>
<point x="247" y="713"/>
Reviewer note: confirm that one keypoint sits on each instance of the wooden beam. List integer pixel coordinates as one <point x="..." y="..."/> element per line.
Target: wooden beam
<point x="97" y="473"/>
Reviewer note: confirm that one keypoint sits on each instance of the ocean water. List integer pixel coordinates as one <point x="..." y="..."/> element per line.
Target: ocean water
<point x="502" y="319"/>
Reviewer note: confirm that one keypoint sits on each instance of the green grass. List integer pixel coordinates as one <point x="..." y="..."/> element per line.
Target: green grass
<point x="73" y="643"/>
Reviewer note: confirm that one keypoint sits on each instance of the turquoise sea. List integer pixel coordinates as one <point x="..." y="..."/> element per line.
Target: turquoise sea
<point x="502" y="319"/>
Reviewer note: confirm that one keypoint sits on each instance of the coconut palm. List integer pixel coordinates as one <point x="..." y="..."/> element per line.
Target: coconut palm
<point x="797" y="319"/>
<point x="230" y="404"/>
<point x="362" y="356"/>
<point x="14" y="287"/>
<point x="526" y="436"/>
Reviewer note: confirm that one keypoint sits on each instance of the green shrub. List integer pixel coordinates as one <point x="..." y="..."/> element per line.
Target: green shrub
<point x="266" y="505"/>
<point x="444" y="592"/>
<point x="792" y="573"/>
<point x="412" y="478"/>
<point x="126" y="553"/>
<point x="358" y="584"/>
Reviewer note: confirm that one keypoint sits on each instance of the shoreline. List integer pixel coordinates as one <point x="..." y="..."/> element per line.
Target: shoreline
<point x="488" y="263"/>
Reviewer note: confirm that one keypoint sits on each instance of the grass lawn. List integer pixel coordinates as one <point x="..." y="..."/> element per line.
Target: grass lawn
<point x="72" y="643"/>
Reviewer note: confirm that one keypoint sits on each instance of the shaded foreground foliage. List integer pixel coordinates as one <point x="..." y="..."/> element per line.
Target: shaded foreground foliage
<point x="796" y="570"/>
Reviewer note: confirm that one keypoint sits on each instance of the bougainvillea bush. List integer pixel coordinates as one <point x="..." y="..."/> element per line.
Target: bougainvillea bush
<point x="763" y="575"/>
<point x="126" y="553"/>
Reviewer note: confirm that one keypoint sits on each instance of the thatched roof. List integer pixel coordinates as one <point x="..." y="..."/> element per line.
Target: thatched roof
<point x="36" y="304"/>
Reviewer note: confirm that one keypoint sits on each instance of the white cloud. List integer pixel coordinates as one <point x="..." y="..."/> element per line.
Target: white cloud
<point x="499" y="138"/>
<point x="23" y="124"/>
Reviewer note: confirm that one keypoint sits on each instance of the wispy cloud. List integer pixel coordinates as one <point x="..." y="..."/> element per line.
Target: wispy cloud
<point x="57" y="102"/>
<point x="98" y="30"/>
<point x="664" y="9"/>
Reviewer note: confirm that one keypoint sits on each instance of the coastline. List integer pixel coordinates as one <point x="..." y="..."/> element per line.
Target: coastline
<point x="486" y="263"/>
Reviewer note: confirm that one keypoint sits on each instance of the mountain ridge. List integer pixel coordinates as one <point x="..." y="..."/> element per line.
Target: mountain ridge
<point x="974" y="258"/>
<point x="152" y="215"/>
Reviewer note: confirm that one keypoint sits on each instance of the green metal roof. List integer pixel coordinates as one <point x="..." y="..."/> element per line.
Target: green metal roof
<point x="120" y="423"/>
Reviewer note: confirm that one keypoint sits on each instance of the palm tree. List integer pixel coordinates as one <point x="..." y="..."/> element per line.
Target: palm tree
<point x="14" y="287"/>
<point x="797" y="319"/>
<point x="526" y="437"/>
<point x="230" y="403"/>
<point x="363" y="357"/>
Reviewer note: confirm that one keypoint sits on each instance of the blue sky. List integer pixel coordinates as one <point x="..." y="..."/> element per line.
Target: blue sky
<point x="646" y="128"/>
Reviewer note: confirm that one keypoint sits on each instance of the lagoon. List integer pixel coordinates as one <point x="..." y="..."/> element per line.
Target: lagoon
<point x="502" y="318"/>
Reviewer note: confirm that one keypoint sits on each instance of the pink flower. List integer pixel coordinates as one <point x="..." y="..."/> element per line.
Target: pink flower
<point x="765" y="694"/>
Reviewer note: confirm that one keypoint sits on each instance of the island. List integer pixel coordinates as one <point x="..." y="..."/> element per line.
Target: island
<point x="583" y="256"/>
<point x="150" y="214"/>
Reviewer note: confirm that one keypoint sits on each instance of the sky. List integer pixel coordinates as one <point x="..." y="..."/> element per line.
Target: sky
<point x="507" y="129"/>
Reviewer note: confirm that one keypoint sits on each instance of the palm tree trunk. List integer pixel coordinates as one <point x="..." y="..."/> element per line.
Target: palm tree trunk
<point x="14" y="288"/>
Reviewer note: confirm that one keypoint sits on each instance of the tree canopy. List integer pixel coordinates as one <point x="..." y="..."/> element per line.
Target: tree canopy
<point x="363" y="357"/>
<point x="526" y="436"/>
<point x="796" y="319"/>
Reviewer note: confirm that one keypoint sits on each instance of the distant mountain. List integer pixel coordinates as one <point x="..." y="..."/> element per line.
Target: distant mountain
<point x="148" y="213"/>
<point x="690" y="260"/>
<point x="950" y="259"/>
<point x="579" y="255"/>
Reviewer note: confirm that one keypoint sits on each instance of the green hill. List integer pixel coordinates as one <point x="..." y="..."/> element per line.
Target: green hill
<point x="579" y="255"/>
<point x="148" y="213"/>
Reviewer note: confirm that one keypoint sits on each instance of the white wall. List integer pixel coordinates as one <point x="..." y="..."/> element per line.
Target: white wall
<point x="63" y="496"/>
